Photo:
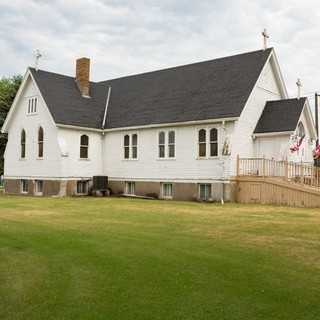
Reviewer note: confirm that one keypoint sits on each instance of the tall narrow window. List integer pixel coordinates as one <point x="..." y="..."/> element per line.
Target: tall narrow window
<point x="213" y="142"/>
<point x="23" y="144"/>
<point x="171" y="144"/>
<point x="202" y="142"/>
<point x="84" y="146"/>
<point x="301" y="131"/>
<point x="40" y="142"/>
<point x="134" y="146"/>
<point x="126" y="145"/>
<point x="161" y="144"/>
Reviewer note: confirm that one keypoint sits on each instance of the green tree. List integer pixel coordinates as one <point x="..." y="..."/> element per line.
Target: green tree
<point x="8" y="91"/>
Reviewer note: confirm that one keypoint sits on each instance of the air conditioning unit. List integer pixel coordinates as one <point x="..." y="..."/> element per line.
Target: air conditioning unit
<point x="100" y="183"/>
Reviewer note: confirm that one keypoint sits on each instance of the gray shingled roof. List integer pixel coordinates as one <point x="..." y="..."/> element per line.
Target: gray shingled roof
<point x="206" y="90"/>
<point x="280" y="115"/>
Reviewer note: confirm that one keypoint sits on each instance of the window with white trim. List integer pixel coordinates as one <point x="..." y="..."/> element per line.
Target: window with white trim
<point x="134" y="146"/>
<point x="167" y="144"/>
<point x="208" y="143"/>
<point x="24" y="186"/>
<point x="204" y="192"/>
<point x="23" y="144"/>
<point x="32" y="105"/>
<point x="130" y="146"/>
<point x="130" y="187"/>
<point x="166" y="190"/>
<point x="40" y="142"/>
<point x="82" y="187"/>
<point x="171" y="144"/>
<point x="202" y="142"/>
<point x="213" y="142"/>
<point x="84" y="146"/>
<point x="39" y="187"/>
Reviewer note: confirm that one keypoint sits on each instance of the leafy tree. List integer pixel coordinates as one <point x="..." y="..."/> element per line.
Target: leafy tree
<point x="8" y="91"/>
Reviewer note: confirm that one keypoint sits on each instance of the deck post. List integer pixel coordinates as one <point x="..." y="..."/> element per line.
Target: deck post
<point x="264" y="167"/>
<point x="238" y="165"/>
<point x="286" y="168"/>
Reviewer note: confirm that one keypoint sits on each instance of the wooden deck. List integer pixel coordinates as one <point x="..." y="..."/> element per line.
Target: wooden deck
<point x="266" y="181"/>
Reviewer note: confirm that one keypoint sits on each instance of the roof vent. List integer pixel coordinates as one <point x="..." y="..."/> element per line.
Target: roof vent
<point x="83" y="76"/>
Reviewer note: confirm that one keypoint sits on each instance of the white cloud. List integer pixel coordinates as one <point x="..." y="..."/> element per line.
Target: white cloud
<point x="126" y="37"/>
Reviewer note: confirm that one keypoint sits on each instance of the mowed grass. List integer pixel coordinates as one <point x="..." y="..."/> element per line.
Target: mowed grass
<point x="114" y="258"/>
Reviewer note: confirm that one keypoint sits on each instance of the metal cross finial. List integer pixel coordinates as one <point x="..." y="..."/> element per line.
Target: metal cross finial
<point x="299" y="85"/>
<point x="265" y="38"/>
<point x="38" y="55"/>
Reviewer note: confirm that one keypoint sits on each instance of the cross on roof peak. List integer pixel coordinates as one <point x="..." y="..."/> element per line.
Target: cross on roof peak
<point x="265" y="38"/>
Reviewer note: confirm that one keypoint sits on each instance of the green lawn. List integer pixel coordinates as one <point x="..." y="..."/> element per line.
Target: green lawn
<point x="113" y="258"/>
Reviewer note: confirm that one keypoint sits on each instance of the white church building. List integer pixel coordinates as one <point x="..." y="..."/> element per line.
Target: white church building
<point x="173" y="133"/>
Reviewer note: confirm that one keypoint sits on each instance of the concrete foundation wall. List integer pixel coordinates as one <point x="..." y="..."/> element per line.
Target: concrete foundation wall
<point x="50" y="187"/>
<point x="181" y="191"/>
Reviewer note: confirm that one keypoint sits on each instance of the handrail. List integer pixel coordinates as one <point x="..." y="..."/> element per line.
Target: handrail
<point x="302" y="173"/>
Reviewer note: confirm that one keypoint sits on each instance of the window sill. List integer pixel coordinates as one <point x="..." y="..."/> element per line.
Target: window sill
<point x="167" y="198"/>
<point x="40" y="158"/>
<point x="32" y="114"/>
<point x="166" y="159"/>
<point x="208" y="158"/>
<point x="22" y="159"/>
<point x="84" y="159"/>
<point x="135" y="159"/>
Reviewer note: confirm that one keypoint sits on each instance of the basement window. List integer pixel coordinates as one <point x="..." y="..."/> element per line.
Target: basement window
<point x="82" y="187"/>
<point x="130" y="188"/>
<point x="205" y="192"/>
<point x="166" y="190"/>
<point x="24" y="186"/>
<point x="39" y="187"/>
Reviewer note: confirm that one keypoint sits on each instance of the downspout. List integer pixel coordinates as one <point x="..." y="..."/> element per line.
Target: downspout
<point x="106" y="110"/>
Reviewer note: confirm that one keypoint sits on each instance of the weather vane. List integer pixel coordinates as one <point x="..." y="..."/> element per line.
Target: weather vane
<point x="37" y="55"/>
<point x="265" y="39"/>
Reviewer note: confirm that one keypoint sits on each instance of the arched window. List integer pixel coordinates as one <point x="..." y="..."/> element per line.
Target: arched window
<point x="40" y="142"/>
<point x="134" y="146"/>
<point x="213" y="142"/>
<point x="301" y="132"/>
<point x="23" y="144"/>
<point x="202" y="142"/>
<point x="161" y="144"/>
<point x="84" y="146"/>
<point x="171" y="144"/>
<point x="126" y="145"/>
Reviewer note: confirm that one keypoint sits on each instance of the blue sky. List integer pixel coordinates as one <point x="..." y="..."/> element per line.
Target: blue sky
<point x="125" y="37"/>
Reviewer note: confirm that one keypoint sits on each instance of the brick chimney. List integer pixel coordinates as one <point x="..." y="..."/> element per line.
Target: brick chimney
<point x="83" y="76"/>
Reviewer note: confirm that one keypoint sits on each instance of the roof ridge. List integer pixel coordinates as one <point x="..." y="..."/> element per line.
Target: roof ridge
<point x="187" y="65"/>
<point x="158" y="70"/>
<point x="288" y="99"/>
<point x="55" y="73"/>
